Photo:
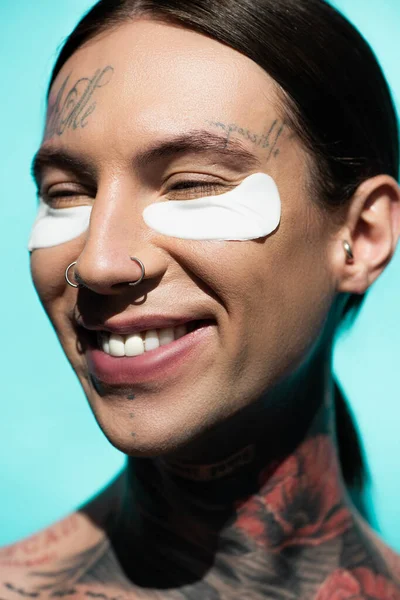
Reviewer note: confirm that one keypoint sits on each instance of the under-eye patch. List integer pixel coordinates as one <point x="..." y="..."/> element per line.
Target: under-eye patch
<point x="250" y="211"/>
<point x="54" y="226"/>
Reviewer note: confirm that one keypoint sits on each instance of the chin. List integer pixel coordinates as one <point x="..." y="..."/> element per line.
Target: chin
<point x="144" y="431"/>
<point x="159" y="443"/>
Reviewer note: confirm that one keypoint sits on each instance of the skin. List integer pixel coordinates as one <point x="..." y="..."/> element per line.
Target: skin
<point x="273" y="518"/>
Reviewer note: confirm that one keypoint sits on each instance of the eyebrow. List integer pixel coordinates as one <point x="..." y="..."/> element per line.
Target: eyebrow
<point x="200" y="141"/>
<point x="48" y="156"/>
<point x="195" y="141"/>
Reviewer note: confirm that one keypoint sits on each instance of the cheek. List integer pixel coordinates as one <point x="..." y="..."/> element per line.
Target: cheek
<point x="48" y="268"/>
<point x="276" y="293"/>
<point x="293" y="296"/>
<point x="45" y="276"/>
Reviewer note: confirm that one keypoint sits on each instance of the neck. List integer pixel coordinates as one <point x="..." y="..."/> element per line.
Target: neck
<point x="276" y="493"/>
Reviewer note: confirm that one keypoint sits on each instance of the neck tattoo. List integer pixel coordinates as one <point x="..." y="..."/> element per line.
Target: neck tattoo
<point x="216" y="470"/>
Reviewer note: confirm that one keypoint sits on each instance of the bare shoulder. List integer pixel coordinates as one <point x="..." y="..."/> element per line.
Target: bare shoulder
<point x="25" y="565"/>
<point x="23" y="562"/>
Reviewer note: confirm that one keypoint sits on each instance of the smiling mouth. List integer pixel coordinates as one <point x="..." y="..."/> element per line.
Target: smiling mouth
<point x="138" y="343"/>
<point x="141" y="342"/>
<point x="136" y="358"/>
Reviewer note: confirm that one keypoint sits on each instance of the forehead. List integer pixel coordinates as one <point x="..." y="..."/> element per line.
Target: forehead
<point x="147" y="74"/>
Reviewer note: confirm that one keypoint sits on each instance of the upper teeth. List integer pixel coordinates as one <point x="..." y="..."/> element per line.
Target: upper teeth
<point x="137" y="343"/>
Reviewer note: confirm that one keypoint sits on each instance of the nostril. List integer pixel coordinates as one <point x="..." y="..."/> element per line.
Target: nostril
<point x="79" y="279"/>
<point x="102" y="279"/>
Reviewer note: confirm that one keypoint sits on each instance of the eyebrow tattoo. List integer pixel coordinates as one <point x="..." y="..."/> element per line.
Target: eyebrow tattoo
<point x="72" y="110"/>
<point x="268" y="140"/>
<point x="196" y="141"/>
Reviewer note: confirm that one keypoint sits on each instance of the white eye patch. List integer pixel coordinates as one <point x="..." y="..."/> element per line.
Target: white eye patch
<point x="250" y="211"/>
<point x="54" y="226"/>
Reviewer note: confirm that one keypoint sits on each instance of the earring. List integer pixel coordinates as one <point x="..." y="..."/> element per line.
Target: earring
<point x="348" y="250"/>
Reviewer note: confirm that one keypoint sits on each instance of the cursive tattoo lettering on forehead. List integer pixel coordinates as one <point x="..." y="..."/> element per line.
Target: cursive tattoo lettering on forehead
<point x="72" y="109"/>
<point x="267" y="140"/>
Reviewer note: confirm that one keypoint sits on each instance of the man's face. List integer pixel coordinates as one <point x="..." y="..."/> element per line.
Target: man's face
<point x="254" y="308"/>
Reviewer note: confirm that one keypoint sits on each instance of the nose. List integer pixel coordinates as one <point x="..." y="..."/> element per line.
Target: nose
<point x="118" y="250"/>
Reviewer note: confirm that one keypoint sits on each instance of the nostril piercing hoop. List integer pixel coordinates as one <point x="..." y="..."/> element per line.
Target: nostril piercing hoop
<point x="78" y="285"/>
<point x="141" y="265"/>
<point x="74" y="285"/>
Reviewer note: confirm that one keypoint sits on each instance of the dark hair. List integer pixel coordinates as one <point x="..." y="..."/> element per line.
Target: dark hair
<point x="331" y="88"/>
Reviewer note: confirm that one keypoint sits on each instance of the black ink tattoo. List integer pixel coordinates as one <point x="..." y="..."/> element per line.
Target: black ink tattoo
<point x="70" y="571"/>
<point x="21" y="592"/>
<point x="293" y="538"/>
<point x="130" y="397"/>
<point x="103" y="596"/>
<point x="268" y="140"/>
<point x="71" y="111"/>
<point x="216" y="470"/>
<point x="63" y="593"/>
<point x="96" y="565"/>
<point x="131" y="415"/>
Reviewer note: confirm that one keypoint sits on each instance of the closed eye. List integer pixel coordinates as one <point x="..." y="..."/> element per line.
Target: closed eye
<point x="62" y="197"/>
<point x="186" y="190"/>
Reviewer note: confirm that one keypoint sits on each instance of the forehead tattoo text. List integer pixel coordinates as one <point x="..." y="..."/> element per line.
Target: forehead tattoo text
<point x="71" y="109"/>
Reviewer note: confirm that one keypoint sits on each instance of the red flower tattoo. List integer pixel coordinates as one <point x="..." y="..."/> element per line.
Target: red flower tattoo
<point x="357" y="584"/>
<point x="299" y="502"/>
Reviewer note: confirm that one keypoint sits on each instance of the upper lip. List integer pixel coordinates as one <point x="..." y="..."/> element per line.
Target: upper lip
<point x="126" y="325"/>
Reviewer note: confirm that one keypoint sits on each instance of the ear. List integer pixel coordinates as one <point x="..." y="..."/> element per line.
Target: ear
<point x="372" y="228"/>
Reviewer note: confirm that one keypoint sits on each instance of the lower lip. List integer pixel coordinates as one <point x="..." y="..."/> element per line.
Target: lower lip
<point x="149" y="366"/>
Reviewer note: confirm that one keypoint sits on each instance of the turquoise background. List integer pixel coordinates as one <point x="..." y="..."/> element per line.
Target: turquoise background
<point x="53" y="455"/>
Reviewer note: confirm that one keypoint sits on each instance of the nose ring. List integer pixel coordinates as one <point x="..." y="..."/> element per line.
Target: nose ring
<point x="136" y="260"/>
<point x="74" y="285"/>
<point x="141" y="265"/>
